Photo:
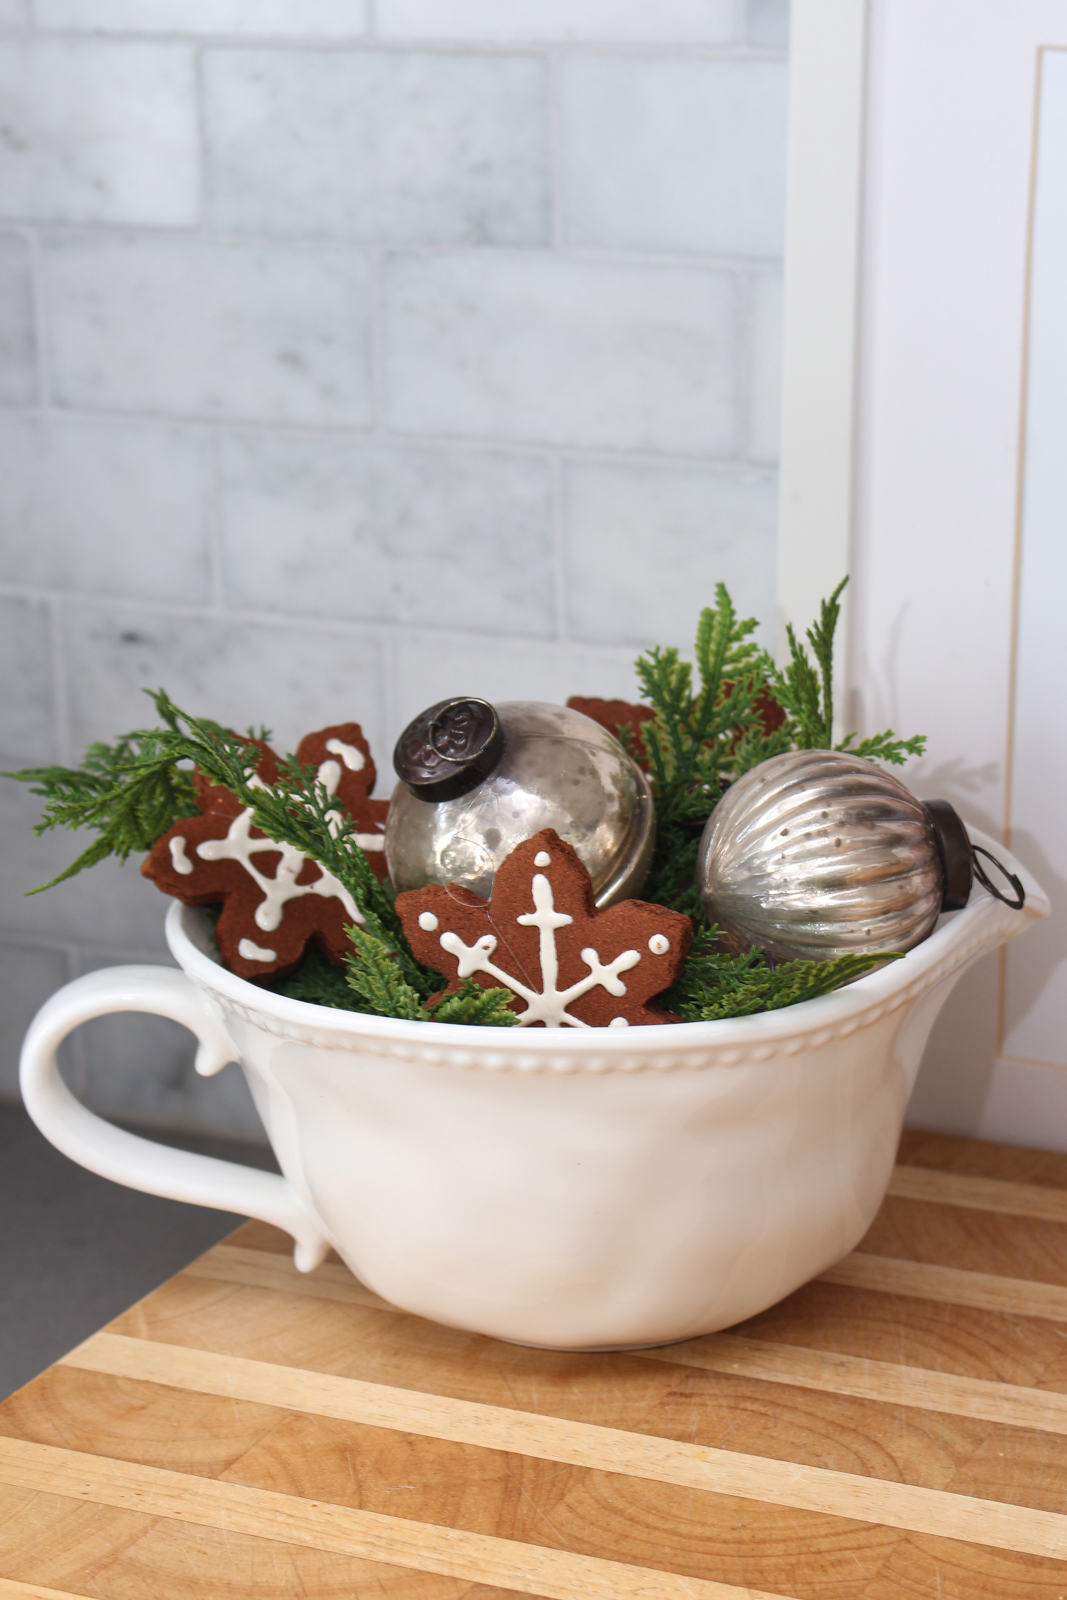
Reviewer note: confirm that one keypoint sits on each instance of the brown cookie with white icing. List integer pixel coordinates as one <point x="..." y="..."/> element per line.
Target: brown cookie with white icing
<point x="274" y="899"/>
<point x="541" y="935"/>
<point x="344" y="764"/>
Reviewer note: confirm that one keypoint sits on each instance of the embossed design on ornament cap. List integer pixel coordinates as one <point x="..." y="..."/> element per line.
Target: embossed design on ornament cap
<point x="449" y="748"/>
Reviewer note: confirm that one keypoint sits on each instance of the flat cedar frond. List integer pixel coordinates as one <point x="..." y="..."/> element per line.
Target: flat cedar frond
<point x="487" y="1008"/>
<point x="795" y="981"/>
<point x="885" y="747"/>
<point x="713" y="986"/>
<point x="376" y="979"/>
<point x="128" y="793"/>
<point x="755" y="746"/>
<point x="807" y="697"/>
<point x="798" y="691"/>
<point x="297" y="809"/>
<point x="693" y="738"/>
<point x="702" y="736"/>
<point x="318" y="980"/>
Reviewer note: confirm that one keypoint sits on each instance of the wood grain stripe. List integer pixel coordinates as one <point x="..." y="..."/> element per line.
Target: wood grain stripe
<point x="1017" y="1297"/>
<point x="1042" y="1410"/>
<point x="11" y="1589"/>
<point x="979" y="1194"/>
<point x="366" y="1535"/>
<point x="760" y="1478"/>
<point x="260" y="1269"/>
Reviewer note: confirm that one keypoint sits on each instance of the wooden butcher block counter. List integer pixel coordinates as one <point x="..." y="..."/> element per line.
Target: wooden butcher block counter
<point x="898" y="1428"/>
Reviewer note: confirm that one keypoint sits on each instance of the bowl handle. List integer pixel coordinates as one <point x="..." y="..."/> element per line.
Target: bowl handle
<point x="141" y="1163"/>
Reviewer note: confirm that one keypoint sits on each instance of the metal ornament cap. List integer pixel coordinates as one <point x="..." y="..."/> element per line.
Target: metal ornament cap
<point x="954" y="846"/>
<point x="818" y="853"/>
<point x="449" y="748"/>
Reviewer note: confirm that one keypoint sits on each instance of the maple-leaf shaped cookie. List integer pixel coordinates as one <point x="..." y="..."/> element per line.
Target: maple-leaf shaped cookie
<point x="274" y="899"/>
<point x="541" y="935"/>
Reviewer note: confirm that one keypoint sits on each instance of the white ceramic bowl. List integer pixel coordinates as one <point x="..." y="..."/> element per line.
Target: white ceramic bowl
<point x="578" y="1189"/>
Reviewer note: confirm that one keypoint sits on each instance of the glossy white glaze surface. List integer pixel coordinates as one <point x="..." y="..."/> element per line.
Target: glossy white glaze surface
<point x="605" y="1188"/>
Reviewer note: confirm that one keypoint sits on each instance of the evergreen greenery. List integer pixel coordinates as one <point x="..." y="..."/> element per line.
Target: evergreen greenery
<point x="807" y="696"/>
<point x="698" y="737"/>
<point x="713" y="985"/>
<point x="129" y="793"/>
<point x="702" y="736"/>
<point x="372" y="974"/>
<point x="700" y="741"/>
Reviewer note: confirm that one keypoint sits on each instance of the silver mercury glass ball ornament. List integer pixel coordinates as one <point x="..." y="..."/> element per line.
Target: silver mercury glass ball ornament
<point x="476" y="780"/>
<point x="818" y="853"/>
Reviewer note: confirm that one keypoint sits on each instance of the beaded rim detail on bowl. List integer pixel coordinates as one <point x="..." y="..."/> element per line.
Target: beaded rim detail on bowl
<point x="765" y="1037"/>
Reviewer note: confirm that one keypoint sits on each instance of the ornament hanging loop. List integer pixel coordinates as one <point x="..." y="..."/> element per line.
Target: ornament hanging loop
<point x="983" y="878"/>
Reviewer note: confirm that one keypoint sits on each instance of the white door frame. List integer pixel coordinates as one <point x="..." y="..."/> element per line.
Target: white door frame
<point x="912" y="141"/>
<point x="827" y="78"/>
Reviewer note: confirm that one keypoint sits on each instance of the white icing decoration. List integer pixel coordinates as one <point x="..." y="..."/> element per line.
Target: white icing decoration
<point x="350" y="754"/>
<point x="427" y="921"/>
<point x="542" y="859"/>
<point x="619" y="1022"/>
<point x="178" y="858"/>
<point x="659" y="944"/>
<point x="549" y="1007"/>
<point x="252" y="952"/>
<point x="329" y="775"/>
<point x="239" y="845"/>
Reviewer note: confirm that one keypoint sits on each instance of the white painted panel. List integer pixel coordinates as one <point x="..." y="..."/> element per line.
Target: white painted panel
<point x="1036" y="983"/>
<point x="934" y="441"/>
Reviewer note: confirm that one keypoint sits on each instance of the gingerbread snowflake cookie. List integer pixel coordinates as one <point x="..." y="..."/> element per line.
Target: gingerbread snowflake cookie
<point x="274" y="899"/>
<point x="541" y="935"/>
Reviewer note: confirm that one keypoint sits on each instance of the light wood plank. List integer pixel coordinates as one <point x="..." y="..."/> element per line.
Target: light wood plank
<point x="887" y="1274"/>
<point x="367" y="1535"/>
<point x="979" y="1194"/>
<point x="11" y="1589"/>
<point x="259" y="1269"/>
<point x="1042" y="1410"/>
<point x="1016" y="1297"/>
<point x="765" y="1479"/>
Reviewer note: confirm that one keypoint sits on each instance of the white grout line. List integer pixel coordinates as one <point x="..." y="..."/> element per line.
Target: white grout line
<point x="394" y="438"/>
<point x="367" y="629"/>
<point x="617" y="255"/>
<point x="666" y="259"/>
<point x="376" y="43"/>
<point x="743" y="354"/>
<point x="201" y="143"/>
<point x="376" y="334"/>
<point x="58" y="657"/>
<point x="40" y="319"/>
<point x="213" y="519"/>
<point x="554" y="119"/>
<point x="557" y="547"/>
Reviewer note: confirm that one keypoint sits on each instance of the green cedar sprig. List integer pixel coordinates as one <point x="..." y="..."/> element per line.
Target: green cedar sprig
<point x="713" y="986"/>
<point x="129" y="793"/>
<point x="371" y="981"/>
<point x="296" y="809"/>
<point x="372" y="974"/>
<point x="692" y="739"/>
<point x="807" y="695"/>
<point x="698" y="742"/>
<point x="317" y="980"/>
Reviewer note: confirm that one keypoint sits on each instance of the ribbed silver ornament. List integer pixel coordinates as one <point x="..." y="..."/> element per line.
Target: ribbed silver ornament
<point x="817" y="853"/>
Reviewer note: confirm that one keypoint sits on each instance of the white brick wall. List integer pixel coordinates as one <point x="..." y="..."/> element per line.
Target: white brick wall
<point x="353" y="352"/>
